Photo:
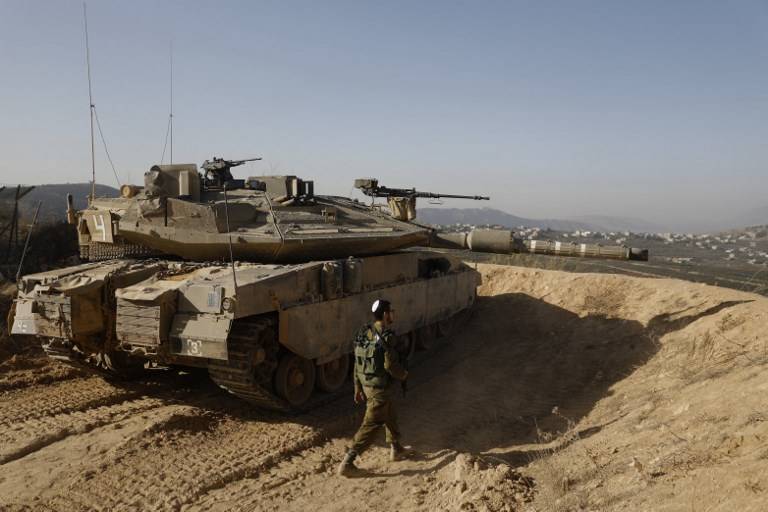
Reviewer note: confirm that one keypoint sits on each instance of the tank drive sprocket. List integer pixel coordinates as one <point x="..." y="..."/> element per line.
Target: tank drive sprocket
<point x="253" y="359"/>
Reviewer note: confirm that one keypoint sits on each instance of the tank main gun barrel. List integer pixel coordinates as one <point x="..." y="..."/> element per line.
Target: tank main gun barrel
<point x="501" y="241"/>
<point x="371" y="188"/>
<point x="432" y="195"/>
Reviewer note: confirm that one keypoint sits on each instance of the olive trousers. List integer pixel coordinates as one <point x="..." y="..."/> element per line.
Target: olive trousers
<point x="379" y="412"/>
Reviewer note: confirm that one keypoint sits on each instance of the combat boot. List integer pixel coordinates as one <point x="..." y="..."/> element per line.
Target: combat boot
<point x="399" y="452"/>
<point x="347" y="466"/>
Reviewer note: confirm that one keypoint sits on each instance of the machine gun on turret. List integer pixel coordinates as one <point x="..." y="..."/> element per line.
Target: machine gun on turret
<point x="371" y="188"/>
<point x="217" y="171"/>
<point x="402" y="201"/>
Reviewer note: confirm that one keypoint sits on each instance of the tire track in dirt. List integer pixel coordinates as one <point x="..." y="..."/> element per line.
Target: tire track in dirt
<point x="323" y="453"/>
<point x="294" y="476"/>
<point x="152" y="452"/>
<point x="17" y="373"/>
<point x="59" y="398"/>
<point x="185" y="458"/>
<point x="32" y="435"/>
<point x="129" y="451"/>
<point x="80" y="449"/>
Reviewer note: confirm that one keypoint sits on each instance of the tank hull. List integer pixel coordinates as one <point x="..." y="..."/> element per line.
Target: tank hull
<point x="262" y="330"/>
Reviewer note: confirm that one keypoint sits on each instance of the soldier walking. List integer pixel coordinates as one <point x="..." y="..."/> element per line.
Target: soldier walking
<point x="377" y="366"/>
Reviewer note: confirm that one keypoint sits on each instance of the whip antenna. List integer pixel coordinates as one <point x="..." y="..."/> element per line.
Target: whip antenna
<point x="169" y="128"/>
<point x="170" y="115"/>
<point x="95" y="117"/>
<point x="26" y="242"/>
<point x="90" y="103"/>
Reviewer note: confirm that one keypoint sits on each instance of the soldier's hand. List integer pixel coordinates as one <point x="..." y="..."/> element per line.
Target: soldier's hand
<point x="359" y="397"/>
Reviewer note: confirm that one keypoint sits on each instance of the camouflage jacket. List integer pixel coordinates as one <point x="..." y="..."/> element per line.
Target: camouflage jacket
<point x="387" y="357"/>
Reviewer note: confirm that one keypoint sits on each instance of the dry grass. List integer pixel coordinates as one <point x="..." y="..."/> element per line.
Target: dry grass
<point x="711" y="354"/>
<point x="557" y="477"/>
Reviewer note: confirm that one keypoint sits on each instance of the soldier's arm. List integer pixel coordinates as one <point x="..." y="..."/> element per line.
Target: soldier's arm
<point x="358" y="384"/>
<point x="392" y="361"/>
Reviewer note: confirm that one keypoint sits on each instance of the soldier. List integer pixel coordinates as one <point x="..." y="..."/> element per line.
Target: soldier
<point x="377" y="365"/>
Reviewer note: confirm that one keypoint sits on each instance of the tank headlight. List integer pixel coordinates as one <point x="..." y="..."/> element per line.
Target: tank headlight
<point x="228" y="304"/>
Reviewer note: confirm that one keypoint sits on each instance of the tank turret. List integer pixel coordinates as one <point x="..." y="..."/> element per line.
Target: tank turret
<point x="195" y="216"/>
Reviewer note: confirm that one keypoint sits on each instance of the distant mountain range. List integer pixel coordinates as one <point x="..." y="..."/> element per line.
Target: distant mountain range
<point x="611" y="223"/>
<point x="482" y="216"/>
<point x="53" y="199"/>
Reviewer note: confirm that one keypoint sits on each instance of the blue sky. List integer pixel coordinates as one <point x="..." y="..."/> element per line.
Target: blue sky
<point x="657" y="110"/>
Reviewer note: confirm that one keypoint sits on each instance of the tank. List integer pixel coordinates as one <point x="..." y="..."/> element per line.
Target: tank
<point x="258" y="281"/>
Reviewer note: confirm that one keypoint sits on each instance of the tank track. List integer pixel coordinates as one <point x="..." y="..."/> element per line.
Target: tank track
<point x="96" y="251"/>
<point x="239" y="377"/>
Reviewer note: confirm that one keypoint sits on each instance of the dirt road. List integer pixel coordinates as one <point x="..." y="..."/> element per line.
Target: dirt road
<point x="559" y="391"/>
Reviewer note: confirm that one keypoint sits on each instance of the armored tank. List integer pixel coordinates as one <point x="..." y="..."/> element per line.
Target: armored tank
<point x="257" y="280"/>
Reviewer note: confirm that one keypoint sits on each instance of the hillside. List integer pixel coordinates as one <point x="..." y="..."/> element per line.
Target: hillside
<point x="614" y="223"/>
<point x="54" y="199"/>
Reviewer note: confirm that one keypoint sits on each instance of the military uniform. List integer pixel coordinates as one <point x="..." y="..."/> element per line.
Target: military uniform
<point x="377" y="365"/>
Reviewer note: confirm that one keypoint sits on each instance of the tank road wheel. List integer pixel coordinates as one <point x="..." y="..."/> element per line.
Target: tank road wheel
<point x="295" y="379"/>
<point x="331" y="375"/>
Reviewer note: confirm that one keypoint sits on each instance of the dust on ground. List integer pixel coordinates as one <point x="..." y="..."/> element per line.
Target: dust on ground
<point x="559" y="391"/>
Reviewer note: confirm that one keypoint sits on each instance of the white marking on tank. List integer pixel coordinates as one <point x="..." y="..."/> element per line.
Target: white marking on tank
<point x="101" y="227"/>
<point x="194" y="346"/>
<point x="183" y="184"/>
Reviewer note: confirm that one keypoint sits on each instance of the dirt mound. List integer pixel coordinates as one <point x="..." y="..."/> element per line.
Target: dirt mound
<point x="479" y="483"/>
<point x="678" y="426"/>
<point x="558" y="392"/>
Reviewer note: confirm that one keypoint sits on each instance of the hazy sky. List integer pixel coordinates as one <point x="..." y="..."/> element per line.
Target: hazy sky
<point x="656" y="110"/>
